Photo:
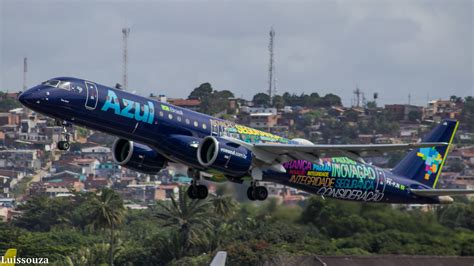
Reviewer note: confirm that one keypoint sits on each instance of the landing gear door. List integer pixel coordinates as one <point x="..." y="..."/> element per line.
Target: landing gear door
<point x="92" y="95"/>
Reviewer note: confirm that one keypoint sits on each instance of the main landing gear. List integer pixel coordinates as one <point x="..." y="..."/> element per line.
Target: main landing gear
<point x="64" y="144"/>
<point x="195" y="190"/>
<point x="255" y="192"/>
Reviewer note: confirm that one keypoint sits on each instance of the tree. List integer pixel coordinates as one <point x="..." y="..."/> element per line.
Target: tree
<point x="371" y="104"/>
<point x="414" y="116"/>
<point x="455" y="99"/>
<point x="331" y="100"/>
<point x="278" y="101"/>
<point x="261" y="99"/>
<point x="467" y="114"/>
<point x="223" y="203"/>
<point x="204" y="90"/>
<point x="225" y="94"/>
<point x="106" y="211"/>
<point x="212" y="101"/>
<point x="6" y="104"/>
<point x="352" y="115"/>
<point x="40" y="213"/>
<point x="188" y="215"/>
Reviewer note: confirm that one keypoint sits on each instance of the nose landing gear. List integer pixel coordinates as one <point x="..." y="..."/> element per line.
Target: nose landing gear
<point x="64" y="144"/>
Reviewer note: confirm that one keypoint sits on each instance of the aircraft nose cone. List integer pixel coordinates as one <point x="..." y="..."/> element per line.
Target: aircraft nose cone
<point x="27" y="98"/>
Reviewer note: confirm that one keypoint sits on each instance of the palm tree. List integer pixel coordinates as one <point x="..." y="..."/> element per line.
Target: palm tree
<point x="224" y="204"/>
<point x="189" y="216"/>
<point x="106" y="210"/>
<point x="224" y="207"/>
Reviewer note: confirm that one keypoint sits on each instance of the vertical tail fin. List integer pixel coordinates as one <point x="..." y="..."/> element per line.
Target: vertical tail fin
<point x="425" y="164"/>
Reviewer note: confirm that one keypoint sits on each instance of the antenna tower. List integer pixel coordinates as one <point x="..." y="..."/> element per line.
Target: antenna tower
<point x="126" y="33"/>
<point x="357" y="93"/>
<point x="271" y="68"/>
<point x="25" y="70"/>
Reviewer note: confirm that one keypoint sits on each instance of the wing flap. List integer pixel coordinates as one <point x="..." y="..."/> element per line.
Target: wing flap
<point x="441" y="192"/>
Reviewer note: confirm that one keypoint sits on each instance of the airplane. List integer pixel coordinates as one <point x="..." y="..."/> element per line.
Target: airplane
<point x="152" y="134"/>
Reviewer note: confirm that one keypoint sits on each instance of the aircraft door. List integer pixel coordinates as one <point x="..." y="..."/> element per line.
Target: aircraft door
<point x="92" y="95"/>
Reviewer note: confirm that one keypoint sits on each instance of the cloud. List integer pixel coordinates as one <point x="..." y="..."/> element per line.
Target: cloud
<point x="391" y="47"/>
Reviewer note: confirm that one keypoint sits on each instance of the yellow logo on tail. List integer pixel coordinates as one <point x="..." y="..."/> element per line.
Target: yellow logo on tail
<point x="9" y="258"/>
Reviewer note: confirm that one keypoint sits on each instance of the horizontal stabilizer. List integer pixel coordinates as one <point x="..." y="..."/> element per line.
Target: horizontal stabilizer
<point x="441" y="192"/>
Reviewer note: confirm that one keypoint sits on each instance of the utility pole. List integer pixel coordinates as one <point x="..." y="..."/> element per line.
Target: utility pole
<point x="357" y="93"/>
<point x="25" y="70"/>
<point x="271" y="68"/>
<point x="126" y="33"/>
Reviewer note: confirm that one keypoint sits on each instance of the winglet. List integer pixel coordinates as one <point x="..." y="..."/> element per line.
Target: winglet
<point x="9" y="258"/>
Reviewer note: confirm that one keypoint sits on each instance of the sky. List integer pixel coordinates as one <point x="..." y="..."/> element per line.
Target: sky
<point x="395" y="48"/>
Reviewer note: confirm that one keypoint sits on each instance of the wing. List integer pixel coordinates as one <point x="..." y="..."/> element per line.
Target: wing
<point x="341" y="150"/>
<point x="441" y="192"/>
<point x="278" y="153"/>
<point x="219" y="259"/>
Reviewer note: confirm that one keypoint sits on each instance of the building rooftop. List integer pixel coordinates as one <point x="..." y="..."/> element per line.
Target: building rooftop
<point x="184" y="102"/>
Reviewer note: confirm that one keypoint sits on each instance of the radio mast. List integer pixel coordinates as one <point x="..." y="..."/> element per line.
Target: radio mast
<point x="25" y="70"/>
<point x="126" y="33"/>
<point x="271" y="68"/>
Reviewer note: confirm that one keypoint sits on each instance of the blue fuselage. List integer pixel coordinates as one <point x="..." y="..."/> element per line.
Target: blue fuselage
<point x="175" y="132"/>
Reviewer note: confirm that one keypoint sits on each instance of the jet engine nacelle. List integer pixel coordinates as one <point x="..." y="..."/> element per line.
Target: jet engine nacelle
<point x="225" y="156"/>
<point x="137" y="157"/>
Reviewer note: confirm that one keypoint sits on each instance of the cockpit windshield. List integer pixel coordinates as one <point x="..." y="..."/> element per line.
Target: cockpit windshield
<point x="65" y="85"/>
<point x="68" y="85"/>
<point x="51" y="82"/>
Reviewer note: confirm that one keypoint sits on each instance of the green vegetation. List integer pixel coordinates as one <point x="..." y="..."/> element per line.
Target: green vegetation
<point x="6" y="104"/>
<point x="81" y="132"/>
<point x="312" y="100"/>
<point x="21" y="187"/>
<point x="467" y="115"/>
<point x="212" y="101"/>
<point x="85" y="229"/>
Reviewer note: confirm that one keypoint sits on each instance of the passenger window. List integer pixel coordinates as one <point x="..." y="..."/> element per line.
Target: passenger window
<point x="161" y="113"/>
<point x="170" y="116"/>
<point x="187" y="121"/>
<point x="179" y="118"/>
<point x="196" y="124"/>
<point x="204" y="126"/>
